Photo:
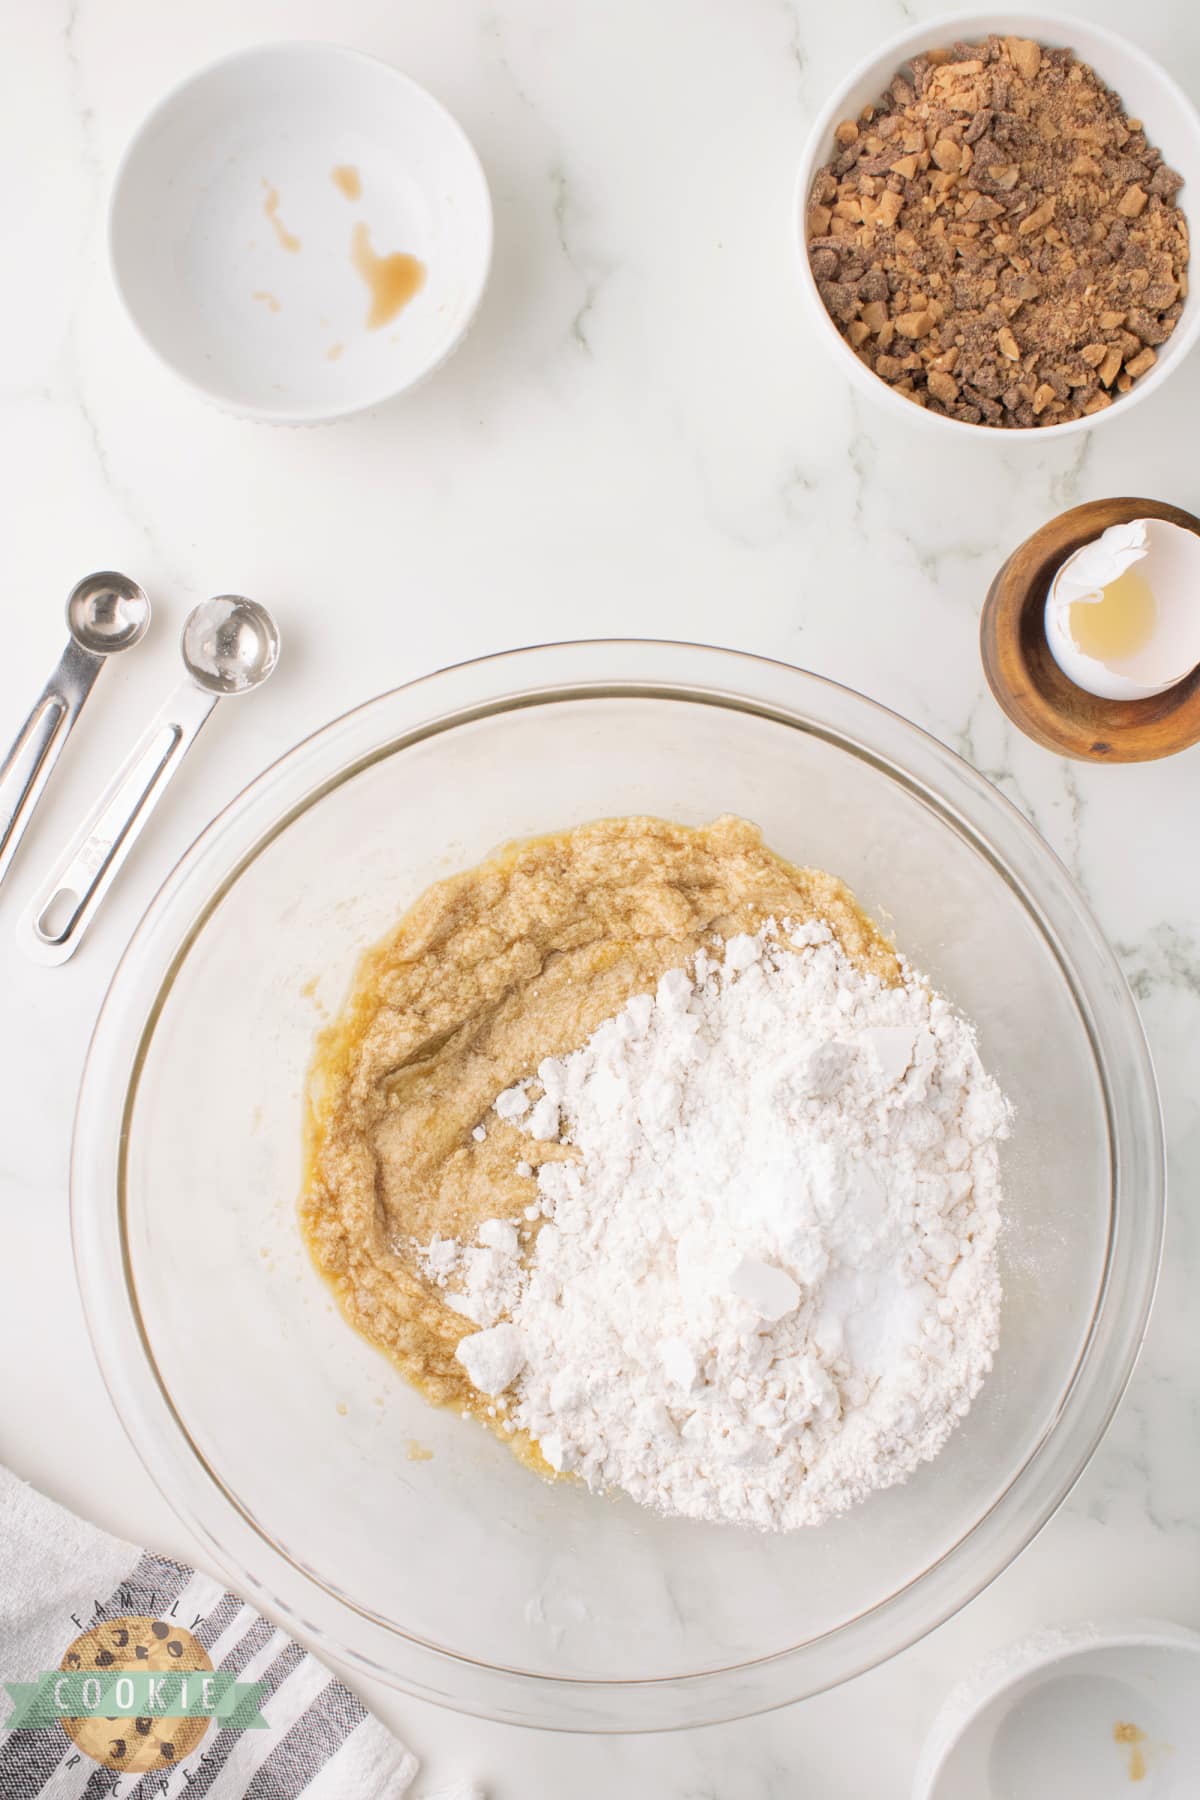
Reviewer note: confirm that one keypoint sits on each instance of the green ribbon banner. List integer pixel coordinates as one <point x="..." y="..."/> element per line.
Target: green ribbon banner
<point x="135" y="1694"/>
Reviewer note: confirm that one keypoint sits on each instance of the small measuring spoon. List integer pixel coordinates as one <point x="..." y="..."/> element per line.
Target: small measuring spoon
<point x="230" y="645"/>
<point x="106" y="613"/>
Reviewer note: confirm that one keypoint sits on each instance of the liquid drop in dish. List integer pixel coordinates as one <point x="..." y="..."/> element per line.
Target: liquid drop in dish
<point x="288" y="240"/>
<point x="391" y="280"/>
<point x="1120" y="623"/>
<point x="347" y="180"/>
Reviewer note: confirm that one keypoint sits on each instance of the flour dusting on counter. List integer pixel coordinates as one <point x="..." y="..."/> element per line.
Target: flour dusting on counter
<point x="760" y="1276"/>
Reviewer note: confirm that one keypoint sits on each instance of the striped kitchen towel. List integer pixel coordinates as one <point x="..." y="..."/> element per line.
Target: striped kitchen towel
<point x="63" y="1583"/>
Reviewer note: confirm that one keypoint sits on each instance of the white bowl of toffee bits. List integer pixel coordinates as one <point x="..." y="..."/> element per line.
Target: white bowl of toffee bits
<point x="992" y="219"/>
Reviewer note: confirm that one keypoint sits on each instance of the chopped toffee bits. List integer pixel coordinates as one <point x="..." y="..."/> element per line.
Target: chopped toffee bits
<point x="997" y="240"/>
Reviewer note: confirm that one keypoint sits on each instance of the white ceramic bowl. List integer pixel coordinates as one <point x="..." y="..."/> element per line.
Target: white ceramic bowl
<point x="1149" y="93"/>
<point x="231" y="241"/>
<point x="1093" y="1713"/>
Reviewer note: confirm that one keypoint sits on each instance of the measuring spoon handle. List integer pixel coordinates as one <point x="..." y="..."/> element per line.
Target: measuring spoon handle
<point x="26" y="769"/>
<point x="87" y="868"/>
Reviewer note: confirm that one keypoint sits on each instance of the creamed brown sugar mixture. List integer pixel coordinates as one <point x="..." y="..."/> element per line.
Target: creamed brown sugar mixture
<point x="997" y="240"/>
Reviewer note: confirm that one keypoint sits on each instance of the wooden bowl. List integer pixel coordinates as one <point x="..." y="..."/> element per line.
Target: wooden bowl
<point x="1029" y="684"/>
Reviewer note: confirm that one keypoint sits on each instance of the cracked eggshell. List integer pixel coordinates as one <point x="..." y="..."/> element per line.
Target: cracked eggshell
<point x="1170" y="559"/>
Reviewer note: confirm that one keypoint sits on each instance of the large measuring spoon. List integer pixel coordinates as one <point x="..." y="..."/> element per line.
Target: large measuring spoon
<point x="230" y="645"/>
<point x="105" y="613"/>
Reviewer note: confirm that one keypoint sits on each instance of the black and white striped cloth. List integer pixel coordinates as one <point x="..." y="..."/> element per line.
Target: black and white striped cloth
<point x="60" y="1575"/>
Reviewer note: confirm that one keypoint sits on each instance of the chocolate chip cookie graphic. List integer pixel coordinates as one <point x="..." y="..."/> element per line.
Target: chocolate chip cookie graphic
<point x="136" y="1745"/>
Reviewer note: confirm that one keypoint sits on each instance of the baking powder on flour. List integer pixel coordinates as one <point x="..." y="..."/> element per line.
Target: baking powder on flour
<point x="764" y="1281"/>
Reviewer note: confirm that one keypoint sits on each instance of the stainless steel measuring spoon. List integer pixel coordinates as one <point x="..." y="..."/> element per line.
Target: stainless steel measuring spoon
<point x="106" y="613"/>
<point x="230" y="645"/>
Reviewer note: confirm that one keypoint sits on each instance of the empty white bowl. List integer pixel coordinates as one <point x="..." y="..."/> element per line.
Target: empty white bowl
<point x="250" y="203"/>
<point x="1092" y="1713"/>
<point x="1148" y="92"/>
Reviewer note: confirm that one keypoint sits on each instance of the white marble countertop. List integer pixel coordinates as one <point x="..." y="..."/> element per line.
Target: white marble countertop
<point x="636" y="439"/>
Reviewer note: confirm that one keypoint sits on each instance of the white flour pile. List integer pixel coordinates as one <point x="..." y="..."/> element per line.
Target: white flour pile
<point x="764" y="1283"/>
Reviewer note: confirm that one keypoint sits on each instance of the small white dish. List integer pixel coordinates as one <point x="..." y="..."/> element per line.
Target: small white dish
<point x="243" y="204"/>
<point x="1147" y="91"/>
<point x="1097" y="1712"/>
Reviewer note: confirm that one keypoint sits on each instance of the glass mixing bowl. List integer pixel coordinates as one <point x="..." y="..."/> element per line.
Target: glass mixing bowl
<point x="295" y="1452"/>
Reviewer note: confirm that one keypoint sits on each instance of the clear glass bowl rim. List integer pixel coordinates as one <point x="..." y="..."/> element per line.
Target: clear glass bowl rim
<point x="486" y="686"/>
